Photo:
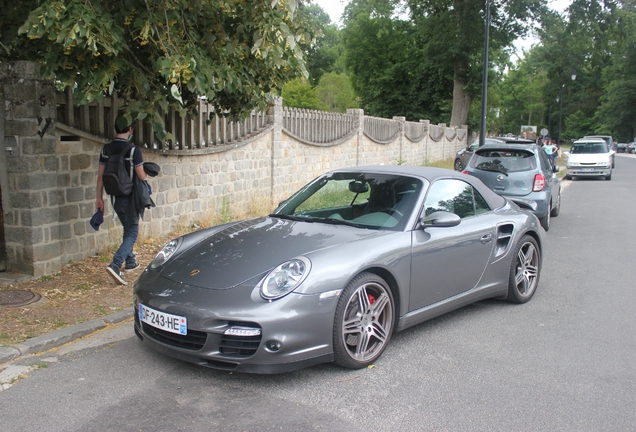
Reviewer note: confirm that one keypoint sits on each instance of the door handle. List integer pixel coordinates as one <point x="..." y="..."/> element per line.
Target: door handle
<point x="486" y="238"/>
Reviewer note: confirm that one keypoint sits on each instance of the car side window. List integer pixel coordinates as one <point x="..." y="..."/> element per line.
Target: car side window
<point x="455" y="196"/>
<point x="481" y="206"/>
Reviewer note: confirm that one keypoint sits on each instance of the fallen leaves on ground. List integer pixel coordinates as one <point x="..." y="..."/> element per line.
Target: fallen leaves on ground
<point x="81" y="291"/>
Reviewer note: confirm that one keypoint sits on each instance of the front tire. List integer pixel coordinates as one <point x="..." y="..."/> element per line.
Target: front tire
<point x="525" y="270"/>
<point x="609" y="177"/>
<point x="364" y="321"/>
<point x="459" y="166"/>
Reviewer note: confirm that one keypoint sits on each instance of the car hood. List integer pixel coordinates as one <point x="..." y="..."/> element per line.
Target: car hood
<point x="588" y="157"/>
<point x="253" y="247"/>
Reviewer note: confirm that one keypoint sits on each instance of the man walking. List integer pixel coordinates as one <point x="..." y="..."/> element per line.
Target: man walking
<point x="123" y="205"/>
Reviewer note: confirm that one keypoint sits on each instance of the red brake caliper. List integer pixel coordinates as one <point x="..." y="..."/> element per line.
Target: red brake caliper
<point x="371" y="299"/>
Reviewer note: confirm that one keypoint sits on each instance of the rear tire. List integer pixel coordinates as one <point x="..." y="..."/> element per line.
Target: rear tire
<point x="557" y="208"/>
<point x="545" y="221"/>
<point x="525" y="270"/>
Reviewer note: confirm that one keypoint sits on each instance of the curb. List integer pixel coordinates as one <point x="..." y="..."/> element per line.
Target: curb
<point x="60" y="337"/>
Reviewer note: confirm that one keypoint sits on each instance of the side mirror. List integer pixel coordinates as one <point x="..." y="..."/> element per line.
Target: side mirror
<point x="565" y="152"/>
<point x="441" y="219"/>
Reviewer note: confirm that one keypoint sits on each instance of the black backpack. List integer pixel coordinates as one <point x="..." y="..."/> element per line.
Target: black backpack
<point x="118" y="182"/>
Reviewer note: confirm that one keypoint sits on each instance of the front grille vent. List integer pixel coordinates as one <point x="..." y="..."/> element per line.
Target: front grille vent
<point x="239" y="346"/>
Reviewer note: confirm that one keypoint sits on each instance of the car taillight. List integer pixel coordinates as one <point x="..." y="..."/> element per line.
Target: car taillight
<point x="464" y="172"/>
<point x="539" y="183"/>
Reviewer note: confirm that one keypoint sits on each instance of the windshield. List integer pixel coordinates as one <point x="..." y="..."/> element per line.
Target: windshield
<point x="503" y="160"/>
<point x="369" y="200"/>
<point x="588" y="148"/>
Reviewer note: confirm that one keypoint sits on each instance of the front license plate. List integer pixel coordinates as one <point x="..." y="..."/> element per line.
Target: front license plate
<point x="589" y="169"/>
<point x="161" y="320"/>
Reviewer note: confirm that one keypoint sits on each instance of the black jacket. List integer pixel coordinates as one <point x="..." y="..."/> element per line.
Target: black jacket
<point x="141" y="196"/>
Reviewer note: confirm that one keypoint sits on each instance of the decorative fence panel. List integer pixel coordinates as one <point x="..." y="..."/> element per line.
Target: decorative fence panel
<point x="381" y="130"/>
<point x="318" y="127"/>
<point x="208" y="129"/>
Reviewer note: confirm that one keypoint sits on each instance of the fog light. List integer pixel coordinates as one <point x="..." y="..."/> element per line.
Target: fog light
<point x="242" y="331"/>
<point x="273" y="345"/>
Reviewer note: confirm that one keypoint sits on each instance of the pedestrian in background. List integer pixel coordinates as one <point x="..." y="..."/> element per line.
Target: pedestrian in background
<point x="123" y="205"/>
<point x="549" y="149"/>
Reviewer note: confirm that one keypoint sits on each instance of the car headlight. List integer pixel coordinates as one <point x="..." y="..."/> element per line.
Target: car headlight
<point x="285" y="278"/>
<point x="164" y="254"/>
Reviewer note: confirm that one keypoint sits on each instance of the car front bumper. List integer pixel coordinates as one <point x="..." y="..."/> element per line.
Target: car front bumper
<point x="299" y="327"/>
<point x="588" y="172"/>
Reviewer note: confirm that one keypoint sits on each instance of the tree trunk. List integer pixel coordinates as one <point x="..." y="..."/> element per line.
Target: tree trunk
<point x="461" y="104"/>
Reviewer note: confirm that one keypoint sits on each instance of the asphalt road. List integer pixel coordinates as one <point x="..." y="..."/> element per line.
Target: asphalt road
<point x="563" y="362"/>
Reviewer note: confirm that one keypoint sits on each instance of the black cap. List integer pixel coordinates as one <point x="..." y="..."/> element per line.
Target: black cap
<point x="122" y="123"/>
<point x="97" y="220"/>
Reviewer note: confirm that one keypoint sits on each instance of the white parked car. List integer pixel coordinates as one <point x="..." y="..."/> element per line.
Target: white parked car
<point x="589" y="157"/>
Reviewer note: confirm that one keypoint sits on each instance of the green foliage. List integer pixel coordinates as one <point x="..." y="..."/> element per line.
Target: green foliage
<point x="595" y="40"/>
<point x="414" y="67"/>
<point x="578" y="125"/>
<point x="389" y="69"/>
<point x="336" y="93"/>
<point x="158" y="53"/>
<point x="616" y="113"/>
<point x="453" y="35"/>
<point x="327" y="53"/>
<point x="298" y="94"/>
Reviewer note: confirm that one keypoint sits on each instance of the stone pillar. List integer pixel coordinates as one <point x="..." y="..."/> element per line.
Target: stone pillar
<point x="359" y="116"/>
<point x="275" y="115"/>
<point x="426" y="141"/>
<point x="401" y="120"/>
<point x="31" y="221"/>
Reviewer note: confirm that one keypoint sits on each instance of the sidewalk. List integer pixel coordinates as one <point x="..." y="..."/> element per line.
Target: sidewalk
<point x="58" y="338"/>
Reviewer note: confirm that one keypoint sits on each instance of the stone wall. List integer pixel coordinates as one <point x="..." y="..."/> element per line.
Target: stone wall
<point x="52" y="176"/>
<point x="31" y="196"/>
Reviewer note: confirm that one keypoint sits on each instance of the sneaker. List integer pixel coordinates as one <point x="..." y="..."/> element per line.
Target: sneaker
<point x="115" y="274"/>
<point x="131" y="267"/>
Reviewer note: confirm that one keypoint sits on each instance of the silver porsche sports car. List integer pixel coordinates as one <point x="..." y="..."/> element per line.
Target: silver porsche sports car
<point x="336" y="269"/>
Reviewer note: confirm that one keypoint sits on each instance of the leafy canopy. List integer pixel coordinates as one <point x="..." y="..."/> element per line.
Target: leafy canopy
<point x="299" y="94"/>
<point x="158" y="53"/>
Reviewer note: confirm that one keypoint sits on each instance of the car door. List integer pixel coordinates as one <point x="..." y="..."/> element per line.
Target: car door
<point x="447" y="261"/>
<point x="553" y="182"/>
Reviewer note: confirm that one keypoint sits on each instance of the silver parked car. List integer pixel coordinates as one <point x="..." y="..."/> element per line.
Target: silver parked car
<point x="336" y="269"/>
<point x="520" y="171"/>
<point x="589" y="157"/>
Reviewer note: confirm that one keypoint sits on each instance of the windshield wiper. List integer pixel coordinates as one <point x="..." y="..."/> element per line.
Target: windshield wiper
<point x="321" y="220"/>
<point x="493" y="170"/>
<point x="285" y="216"/>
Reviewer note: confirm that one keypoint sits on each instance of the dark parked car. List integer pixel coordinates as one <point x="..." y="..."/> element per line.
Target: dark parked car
<point x="621" y="147"/>
<point x="463" y="156"/>
<point x="353" y="257"/>
<point x="631" y="148"/>
<point x="521" y="171"/>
